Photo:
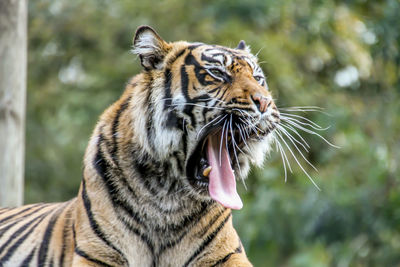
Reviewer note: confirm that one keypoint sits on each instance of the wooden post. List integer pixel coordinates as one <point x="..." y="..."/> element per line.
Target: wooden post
<point x="13" y="65"/>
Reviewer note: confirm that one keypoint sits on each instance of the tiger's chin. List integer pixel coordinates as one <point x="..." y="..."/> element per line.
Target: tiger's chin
<point x="222" y="156"/>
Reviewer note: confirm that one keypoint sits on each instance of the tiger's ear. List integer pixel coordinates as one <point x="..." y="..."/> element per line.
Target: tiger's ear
<point x="150" y="47"/>
<point x="242" y="46"/>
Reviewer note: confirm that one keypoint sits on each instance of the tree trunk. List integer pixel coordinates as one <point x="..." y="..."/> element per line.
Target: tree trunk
<point x="13" y="60"/>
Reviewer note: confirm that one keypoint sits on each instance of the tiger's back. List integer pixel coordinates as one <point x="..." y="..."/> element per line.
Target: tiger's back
<point x="32" y="235"/>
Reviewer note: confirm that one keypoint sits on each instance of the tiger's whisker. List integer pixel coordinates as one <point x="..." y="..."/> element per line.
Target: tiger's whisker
<point x="284" y="118"/>
<point x="197" y="105"/>
<point x="289" y="127"/>
<point x="297" y="148"/>
<point x="201" y="129"/>
<point x="200" y="100"/>
<point x="283" y="160"/>
<point x="220" y="145"/>
<point x="243" y="137"/>
<point x="306" y="109"/>
<point x="292" y="137"/>
<point x="234" y="143"/>
<point x="301" y="117"/>
<point x="216" y="123"/>
<point x="302" y="107"/>
<point x="284" y="154"/>
<point x="311" y="132"/>
<point x="297" y="161"/>
<point x="226" y="137"/>
<point x="252" y="126"/>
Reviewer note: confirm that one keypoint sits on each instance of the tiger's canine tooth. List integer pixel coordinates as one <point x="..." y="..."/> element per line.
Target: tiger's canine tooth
<point x="207" y="171"/>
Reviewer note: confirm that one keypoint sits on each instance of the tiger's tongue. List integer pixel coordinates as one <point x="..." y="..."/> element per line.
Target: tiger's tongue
<point x="222" y="184"/>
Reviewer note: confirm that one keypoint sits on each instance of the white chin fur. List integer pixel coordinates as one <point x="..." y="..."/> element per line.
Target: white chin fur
<point x="260" y="149"/>
<point x="259" y="152"/>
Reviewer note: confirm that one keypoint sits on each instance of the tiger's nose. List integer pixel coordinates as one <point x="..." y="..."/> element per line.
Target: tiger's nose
<point x="262" y="102"/>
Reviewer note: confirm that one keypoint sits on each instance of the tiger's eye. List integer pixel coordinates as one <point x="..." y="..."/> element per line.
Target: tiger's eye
<point x="217" y="72"/>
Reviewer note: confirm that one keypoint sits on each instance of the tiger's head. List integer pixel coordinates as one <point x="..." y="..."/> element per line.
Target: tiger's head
<point x="212" y="112"/>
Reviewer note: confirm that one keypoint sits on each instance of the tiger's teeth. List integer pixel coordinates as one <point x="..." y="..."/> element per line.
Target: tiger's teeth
<point x="207" y="171"/>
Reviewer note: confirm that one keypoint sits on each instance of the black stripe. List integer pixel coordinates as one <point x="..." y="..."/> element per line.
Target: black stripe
<point x="207" y="241"/>
<point x="223" y="94"/>
<point x="18" y="232"/>
<point x="114" y="128"/>
<point x="215" y="89"/>
<point x="28" y="259"/>
<point x="89" y="258"/>
<point x="148" y="169"/>
<point x="276" y="116"/>
<point x="194" y="46"/>
<point x="4" y="210"/>
<point x="19" y="241"/>
<point x="150" y="112"/>
<point x="172" y="59"/>
<point x="223" y="260"/>
<point x="2" y="221"/>
<point x="172" y="120"/>
<point x="93" y="223"/>
<point x="12" y="223"/>
<point x="188" y="224"/>
<point x="184" y="142"/>
<point x="199" y="70"/>
<point x="167" y="89"/>
<point x="226" y="258"/>
<point x="84" y="254"/>
<point x="235" y="101"/>
<point x="44" y="246"/>
<point x="136" y="231"/>
<point x="184" y="87"/>
<point x="64" y="236"/>
<point x="179" y="163"/>
<point x="211" y="223"/>
<point x="187" y="220"/>
<point x="102" y="168"/>
<point x="209" y="59"/>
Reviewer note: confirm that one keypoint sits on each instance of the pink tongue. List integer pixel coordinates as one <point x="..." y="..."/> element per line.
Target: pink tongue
<point x="222" y="186"/>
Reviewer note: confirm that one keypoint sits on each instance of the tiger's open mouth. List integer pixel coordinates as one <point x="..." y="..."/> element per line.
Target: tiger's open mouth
<point x="211" y="166"/>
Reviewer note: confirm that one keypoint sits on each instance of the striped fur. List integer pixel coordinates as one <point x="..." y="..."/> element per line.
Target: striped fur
<point x="138" y="204"/>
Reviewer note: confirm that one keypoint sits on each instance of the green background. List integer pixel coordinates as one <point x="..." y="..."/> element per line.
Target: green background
<point x="340" y="55"/>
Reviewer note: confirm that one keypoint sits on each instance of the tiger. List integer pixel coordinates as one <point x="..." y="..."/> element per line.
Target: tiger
<point x="160" y="169"/>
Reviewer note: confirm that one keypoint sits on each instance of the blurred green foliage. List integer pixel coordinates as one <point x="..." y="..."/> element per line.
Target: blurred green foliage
<point x="340" y="55"/>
